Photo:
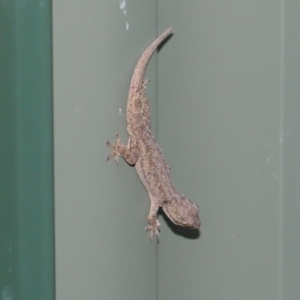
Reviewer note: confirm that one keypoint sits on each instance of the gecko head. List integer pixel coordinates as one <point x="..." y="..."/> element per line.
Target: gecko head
<point x="183" y="212"/>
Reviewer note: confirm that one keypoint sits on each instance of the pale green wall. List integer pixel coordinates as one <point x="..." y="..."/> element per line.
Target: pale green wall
<point x="102" y="250"/>
<point x="291" y="162"/>
<point x="228" y="123"/>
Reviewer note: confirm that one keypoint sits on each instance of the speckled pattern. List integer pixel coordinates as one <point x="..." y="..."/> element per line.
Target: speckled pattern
<point x="144" y="153"/>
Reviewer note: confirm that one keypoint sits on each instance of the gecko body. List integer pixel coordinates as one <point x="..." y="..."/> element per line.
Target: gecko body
<point x="145" y="154"/>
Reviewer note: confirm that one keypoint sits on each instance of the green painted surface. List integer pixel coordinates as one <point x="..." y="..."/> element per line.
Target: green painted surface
<point x="291" y="162"/>
<point x="26" y="184"/>
<point x="101" y="209"/>
<point x="228" y="123"/>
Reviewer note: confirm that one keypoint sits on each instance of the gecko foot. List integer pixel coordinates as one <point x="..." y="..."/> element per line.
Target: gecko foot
<point x="115" y="153"/>
<point x="145" y="82"/>
<point x="153" y="230"/>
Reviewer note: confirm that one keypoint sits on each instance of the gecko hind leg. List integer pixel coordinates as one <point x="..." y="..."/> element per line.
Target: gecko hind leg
<point x="145" y="82"/>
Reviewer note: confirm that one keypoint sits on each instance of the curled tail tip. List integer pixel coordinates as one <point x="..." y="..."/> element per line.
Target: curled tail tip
<point x="169" y="30"/>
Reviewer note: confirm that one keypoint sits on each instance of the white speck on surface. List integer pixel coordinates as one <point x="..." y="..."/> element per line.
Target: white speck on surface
<point x="120" y="112"/>
<point x="7" y="293"/>
<point x="233" y="235"/>
<point x="122" y="4"/>
<point x="274" y="175"/>
<point x="42" y="3"/>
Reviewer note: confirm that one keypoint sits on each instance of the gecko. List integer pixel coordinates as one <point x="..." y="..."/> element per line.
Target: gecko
<point x="143" y="152"/>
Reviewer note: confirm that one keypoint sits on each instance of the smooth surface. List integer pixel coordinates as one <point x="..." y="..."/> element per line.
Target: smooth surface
<point x="102" y="250"/>
<point x="26" y="177"/>
<point x="228" y="123"/>
<point x="291" y="165"/>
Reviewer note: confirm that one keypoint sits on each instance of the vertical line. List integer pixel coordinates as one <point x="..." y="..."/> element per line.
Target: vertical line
<point x="156" y="123"/>
<point x="156" y="70"/>
<point x="52" y="142"/>
<point x="281" y="148"/>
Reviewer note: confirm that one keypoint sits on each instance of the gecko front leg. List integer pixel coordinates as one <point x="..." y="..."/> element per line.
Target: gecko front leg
<point x="152" y="217"/>
<point x="130" y="153"/>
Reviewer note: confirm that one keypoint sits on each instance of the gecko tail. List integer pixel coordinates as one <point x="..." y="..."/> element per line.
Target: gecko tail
<point x="138" y="74"/>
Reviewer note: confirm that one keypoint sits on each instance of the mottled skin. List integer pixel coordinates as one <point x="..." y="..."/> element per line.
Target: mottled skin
<point x="144" y="153"/>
